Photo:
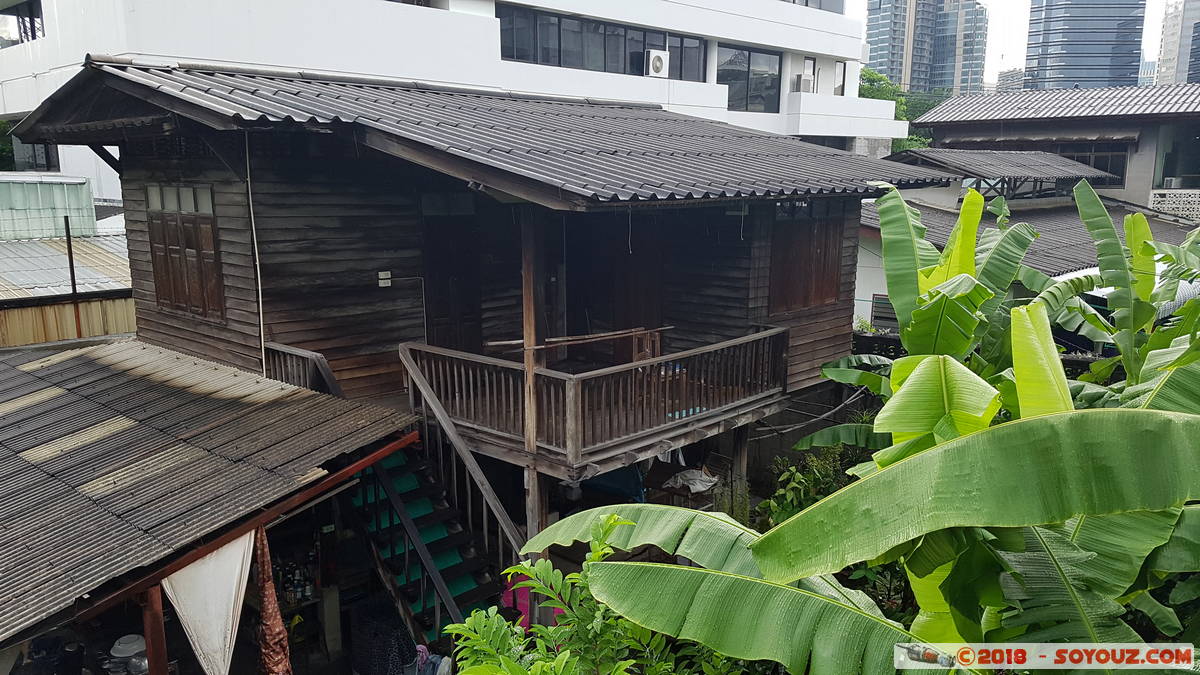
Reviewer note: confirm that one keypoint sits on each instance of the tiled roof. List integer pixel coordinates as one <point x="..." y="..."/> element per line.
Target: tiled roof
<point x="1023" y="164"/>
<point x="38" y="267"/>
<point x="1038" y="104"/>
<point x="115" y="456"/>
<point x="600" y="152"/>
<point x="1063" y="244"/>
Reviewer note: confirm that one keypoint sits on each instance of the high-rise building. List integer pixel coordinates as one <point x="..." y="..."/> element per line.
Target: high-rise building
<point x="959" y="47"/>
<point x="1175" y="49"/>
<point x="929" y="45"/>
<point x="1012" y="79"/>
<point x="1084" y="43"/>
<point x="1147" y="74"/>
<point x="1194" y="58"/>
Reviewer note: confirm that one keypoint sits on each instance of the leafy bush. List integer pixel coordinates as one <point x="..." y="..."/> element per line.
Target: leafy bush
<point x="587" y="638"/>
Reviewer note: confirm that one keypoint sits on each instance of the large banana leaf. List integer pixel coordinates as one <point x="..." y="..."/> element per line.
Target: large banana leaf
<point x="905" y="252"/>
<point x="998" y="258"/>
<point x="709" y="539"/>
<point x="846" y="370"/>
<point x="1037" y="369"/>
<point x="1129" y="312"/>
<point x="1032" y="471"/>
<point x="933" y="623"/>
<point x="1141" y="263"/>
<point x="1121" y="542"/>
<point x="1168" y="386"/>
<point x="1075" y="312"/>
<point x="1180" y="553"/>
<point x="1050" y="585"/>
<point x="1056" y="296"/>
<point x="941" y="396"/>
<point x="749" y="618"/>
<point x="946" y="317"/>
<point x="857" y="435"/>
<point x="958" y="257"/>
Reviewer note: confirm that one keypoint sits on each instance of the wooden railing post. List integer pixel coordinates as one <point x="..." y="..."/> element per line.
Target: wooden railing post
<point x="574" y="422"/>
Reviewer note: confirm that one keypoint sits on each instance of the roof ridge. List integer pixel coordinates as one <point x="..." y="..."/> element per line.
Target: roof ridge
<point x="155" y="63"/>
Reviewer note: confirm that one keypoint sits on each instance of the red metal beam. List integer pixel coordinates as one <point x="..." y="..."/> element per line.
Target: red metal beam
<point x="151" y="579"/>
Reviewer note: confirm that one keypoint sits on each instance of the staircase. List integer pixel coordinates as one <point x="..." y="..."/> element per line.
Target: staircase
<point x="435" y="566"/>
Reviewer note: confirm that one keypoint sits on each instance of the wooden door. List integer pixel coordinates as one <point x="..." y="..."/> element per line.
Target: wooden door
<point x="452" y="283"/>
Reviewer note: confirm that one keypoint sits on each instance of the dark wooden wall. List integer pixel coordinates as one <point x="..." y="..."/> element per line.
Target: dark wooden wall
<point x="328" y="225"/>
<point x="235" y="340"/>
<point x="818" y="334"/>
<point x="708" y="276"/>
<point x="327" y="222"/>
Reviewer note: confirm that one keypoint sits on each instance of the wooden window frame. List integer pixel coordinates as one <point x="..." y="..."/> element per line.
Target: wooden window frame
<point x="807" y="244"/>
<point x="185" y="251"/>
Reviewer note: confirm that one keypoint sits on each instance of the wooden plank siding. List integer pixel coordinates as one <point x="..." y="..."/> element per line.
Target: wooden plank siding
<point x="708" y="277"/>
<point x="818" y="334"/>
<point x="326" y="230"/>
<point x="233" y="340"/>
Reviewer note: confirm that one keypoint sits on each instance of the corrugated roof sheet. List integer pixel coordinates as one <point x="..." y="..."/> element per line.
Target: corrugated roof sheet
<point x="1023" y="164"/>
<point x="112" y="457"/>
<point x="608" y="152"/>
<point x="1112" y="102"/>
<point x="1063" y="244"/>
<point x="38" y="267"/>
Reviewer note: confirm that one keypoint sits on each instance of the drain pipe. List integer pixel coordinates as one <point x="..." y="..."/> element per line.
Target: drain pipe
<point x="262" y="330"/>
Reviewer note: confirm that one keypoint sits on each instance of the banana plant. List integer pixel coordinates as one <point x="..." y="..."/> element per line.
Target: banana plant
<point x="999" y="525"/>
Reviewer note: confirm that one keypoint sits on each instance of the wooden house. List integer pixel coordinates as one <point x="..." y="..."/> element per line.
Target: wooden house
<point x="566" y="285"/>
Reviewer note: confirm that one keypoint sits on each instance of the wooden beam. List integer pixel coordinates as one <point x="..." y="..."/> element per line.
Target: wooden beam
<point x="531" y="307"/>
<point x="741" y="483"/>
<point x="154" y="631"/>
<point x="107" y="157"/>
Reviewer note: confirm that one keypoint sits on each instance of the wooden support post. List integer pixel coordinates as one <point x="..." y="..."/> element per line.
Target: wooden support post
<point x="740" y="494"/>
<point x="531" y="307"/>
<point x="155" y="633"/>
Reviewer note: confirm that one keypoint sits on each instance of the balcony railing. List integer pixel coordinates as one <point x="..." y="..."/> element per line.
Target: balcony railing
<point x="583" y="414"/>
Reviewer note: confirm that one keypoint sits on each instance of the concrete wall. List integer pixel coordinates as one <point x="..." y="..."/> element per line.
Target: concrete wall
<point x="869" y="279"/>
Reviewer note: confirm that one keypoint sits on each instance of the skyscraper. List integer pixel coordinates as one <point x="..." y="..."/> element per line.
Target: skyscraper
<point x="1147" y="74"/>
<point x="1194" y="58"/>
<point x="928" y="45"/>
<point x="1012" y="79"/>
<point x="1084" y="43"/>
<point x="1175" y="50"/>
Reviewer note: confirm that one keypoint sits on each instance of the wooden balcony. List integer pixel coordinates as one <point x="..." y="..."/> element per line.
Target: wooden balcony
<point x="593" y="421"/>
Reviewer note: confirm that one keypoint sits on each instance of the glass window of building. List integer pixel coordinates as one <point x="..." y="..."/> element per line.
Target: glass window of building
<point x="808" y="78"/>
<point x="752" y="77"/>
<point x="534" y="36"/>
<point x="839" y="78"/>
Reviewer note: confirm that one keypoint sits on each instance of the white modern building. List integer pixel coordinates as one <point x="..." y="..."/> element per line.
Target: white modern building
<point x="1175" y="49"/>
<point x="785" y="66"/>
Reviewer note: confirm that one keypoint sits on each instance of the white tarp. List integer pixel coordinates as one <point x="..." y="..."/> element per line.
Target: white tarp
<point x="207" y="597"/>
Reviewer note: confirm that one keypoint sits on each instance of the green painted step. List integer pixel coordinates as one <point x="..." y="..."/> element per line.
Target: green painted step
<point x="442" y="561"/>
<point x="456" y="586"/>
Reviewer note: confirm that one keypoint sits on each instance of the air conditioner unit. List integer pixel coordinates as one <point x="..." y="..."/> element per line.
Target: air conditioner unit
<point x="658" y="63"/>
<point x="805" y="84"/>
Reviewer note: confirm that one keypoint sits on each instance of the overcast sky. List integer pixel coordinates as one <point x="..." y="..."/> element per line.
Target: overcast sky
<point x="1008" y="25"/>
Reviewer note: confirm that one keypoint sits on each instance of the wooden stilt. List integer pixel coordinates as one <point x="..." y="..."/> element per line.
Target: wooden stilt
<point x="741" y="487"/>
<point x="155" y="632"/>
<point x="531" y="307"/>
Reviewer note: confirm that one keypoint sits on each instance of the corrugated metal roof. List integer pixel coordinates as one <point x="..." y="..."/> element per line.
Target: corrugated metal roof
<point x="1063" y="244"/>
<point x="1110" y="102"/>
<point x="607" y="152"/>
<point x="113" y="457"/>
<point x="1023" y="164"/>
<point x="38" y="267"/>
